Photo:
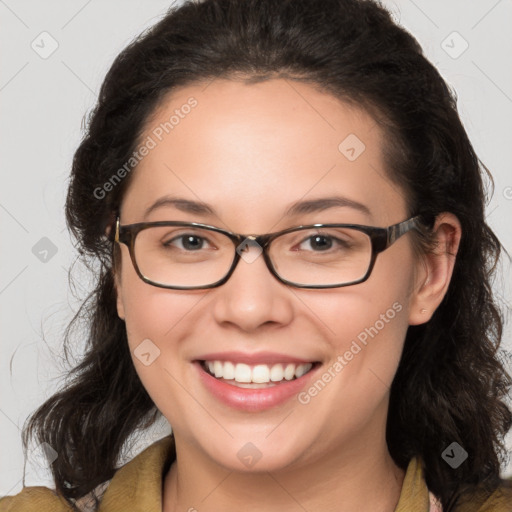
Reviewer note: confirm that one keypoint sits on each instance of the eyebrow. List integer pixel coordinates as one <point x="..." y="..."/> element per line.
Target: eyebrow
<point x="297" y="208"/>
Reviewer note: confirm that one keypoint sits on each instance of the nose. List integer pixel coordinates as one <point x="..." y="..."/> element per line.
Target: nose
<point x="252" y="297"/>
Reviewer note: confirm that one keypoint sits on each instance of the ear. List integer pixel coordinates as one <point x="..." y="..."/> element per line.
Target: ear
<point x="119" y="298"/>
<point x="435" y="270"/>
<point x="116" y="273"/>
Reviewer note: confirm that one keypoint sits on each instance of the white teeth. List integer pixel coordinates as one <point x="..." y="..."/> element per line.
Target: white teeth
<point x="258" y="374"/>
<point x="217" y="368"/>
<point x="302" y="369"/>
<point x="261" y="373"/>
<point x="289" y="371"/>
<point x="242" y="372"/>
<point x="276" y="373"/>
<point x="228" y="371"/>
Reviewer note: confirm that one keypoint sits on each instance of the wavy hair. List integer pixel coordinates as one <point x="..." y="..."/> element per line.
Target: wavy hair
<point x="451" y="385"/>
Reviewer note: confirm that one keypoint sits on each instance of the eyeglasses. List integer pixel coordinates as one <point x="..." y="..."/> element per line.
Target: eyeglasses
<point x="190" y="255"/>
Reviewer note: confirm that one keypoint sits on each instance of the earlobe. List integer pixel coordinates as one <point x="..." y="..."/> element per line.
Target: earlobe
<point x="436" y="269"/>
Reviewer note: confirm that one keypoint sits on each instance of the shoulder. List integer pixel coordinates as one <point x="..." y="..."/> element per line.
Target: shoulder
<point x="35" y="499"/>
<point x="415" y="494"/>
<point x="500" y="500"/>
<point x="137" y="485"/>
<point x="482" y="500"/>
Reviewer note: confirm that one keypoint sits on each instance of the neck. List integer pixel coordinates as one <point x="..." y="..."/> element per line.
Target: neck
<point x="361" y="477"/>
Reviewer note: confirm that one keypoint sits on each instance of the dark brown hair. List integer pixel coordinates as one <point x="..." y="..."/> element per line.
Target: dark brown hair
<point x="450" y="385"/>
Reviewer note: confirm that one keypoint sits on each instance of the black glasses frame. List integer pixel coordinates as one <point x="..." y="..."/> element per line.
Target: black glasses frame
<point x="381" y="239"/>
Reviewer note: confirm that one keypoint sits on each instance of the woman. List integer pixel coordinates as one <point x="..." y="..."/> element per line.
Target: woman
<point x="294" y="272"/>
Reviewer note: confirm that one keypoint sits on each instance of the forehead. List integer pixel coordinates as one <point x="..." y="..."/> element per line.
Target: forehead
<point x="254" y="149"/>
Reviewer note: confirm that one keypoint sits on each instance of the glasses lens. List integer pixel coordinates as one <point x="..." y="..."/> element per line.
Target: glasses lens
<point x="183" y="255"/>
<point x="322" y="256"/>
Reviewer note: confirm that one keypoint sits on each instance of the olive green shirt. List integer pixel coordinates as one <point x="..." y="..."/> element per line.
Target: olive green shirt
<point x="137" y="487"/>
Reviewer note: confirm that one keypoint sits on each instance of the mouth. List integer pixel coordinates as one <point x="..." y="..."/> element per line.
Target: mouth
<point x="254" y="382"/>
<point x="258" y="376"/>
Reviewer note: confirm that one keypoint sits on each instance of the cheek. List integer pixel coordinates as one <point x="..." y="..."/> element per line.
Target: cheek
<point x="365" y="326"/>
<point x="364" y="330"/>
<point x="352" y="389"/>
<point x="150" y="312"/>
<point x="374" y="309"/>
<point x="153" y="317"/>
<point x="158" y="325"/>
<point x="159" y="315"/>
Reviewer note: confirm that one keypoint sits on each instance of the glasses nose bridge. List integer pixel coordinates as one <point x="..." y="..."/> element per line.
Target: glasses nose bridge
<point x="262" y="241"/>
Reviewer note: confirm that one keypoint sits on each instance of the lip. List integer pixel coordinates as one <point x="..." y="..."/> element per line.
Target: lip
<point x="254" y="400"/>
<point x="252" y="359"/>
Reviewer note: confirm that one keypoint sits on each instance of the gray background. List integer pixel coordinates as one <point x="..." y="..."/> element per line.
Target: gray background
<point x="43" y="101"/>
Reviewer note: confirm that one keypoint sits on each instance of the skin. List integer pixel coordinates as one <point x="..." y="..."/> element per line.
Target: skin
<point x="250" y="151"/>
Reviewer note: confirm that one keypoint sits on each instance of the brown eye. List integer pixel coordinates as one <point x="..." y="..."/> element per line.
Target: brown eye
<point x="187" y="242"/>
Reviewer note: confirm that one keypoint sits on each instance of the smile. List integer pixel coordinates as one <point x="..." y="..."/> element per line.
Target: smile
<point x="245" y="375"/>
<point x="254" y="383"/>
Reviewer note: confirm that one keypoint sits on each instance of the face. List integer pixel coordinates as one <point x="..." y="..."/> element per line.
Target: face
<point x="250" y="152"/>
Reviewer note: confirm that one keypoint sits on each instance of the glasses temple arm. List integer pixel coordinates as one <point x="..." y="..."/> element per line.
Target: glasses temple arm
<point x="396" y="231"/>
